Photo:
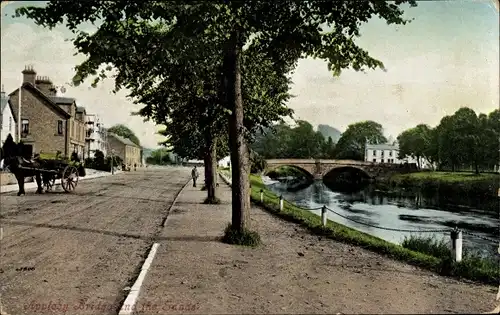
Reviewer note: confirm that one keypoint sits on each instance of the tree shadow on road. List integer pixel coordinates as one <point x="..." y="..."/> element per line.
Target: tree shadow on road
<point x="151" y="238"/>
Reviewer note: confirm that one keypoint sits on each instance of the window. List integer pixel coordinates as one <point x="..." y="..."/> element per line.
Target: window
<point x="25" y="126"/>
<point x="59" y="127"/>
<point x="10" y="123"/>
<point x="382" y="153"/>
<point x="374" y="160"/>
<point x="390" y="153"/>
<point x="383" y="161"/>
<point x="374" y="152"/>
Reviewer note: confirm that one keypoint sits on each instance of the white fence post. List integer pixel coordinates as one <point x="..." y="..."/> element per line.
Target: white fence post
<point x="456" y="242"/>
<point x="261" y="195"/>
<point x="324" y="217"/>
<point x="281" y="203"/>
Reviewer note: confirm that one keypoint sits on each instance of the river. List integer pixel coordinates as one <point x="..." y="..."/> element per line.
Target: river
<point x="401" y="212"/>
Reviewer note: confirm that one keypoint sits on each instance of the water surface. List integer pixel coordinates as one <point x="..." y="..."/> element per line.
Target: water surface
<point x="369" y="211"/>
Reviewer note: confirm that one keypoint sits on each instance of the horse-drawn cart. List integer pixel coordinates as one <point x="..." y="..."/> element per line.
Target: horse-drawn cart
<point x="51" y="170"/>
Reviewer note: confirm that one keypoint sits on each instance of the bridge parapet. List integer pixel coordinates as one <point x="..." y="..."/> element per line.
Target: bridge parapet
<point x="318" y="168"/>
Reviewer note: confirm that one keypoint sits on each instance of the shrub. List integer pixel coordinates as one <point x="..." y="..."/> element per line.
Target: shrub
<point x="102" y="164"/>
<point x="257" y="163"/>
<point x="237" y="237"/>
<point x="431" y="246"/>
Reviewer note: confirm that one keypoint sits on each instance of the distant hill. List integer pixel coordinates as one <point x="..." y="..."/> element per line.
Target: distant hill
<point x="329" y="131"/>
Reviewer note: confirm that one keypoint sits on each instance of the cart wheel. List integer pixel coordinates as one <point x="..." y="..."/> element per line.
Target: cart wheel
<point x="69" y="178"/>
<point x="50" y="184"/>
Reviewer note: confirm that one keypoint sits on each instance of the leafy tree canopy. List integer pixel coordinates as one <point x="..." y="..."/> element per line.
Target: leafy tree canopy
<point x="124" y="132"/>
<point x="300" y="141"/>
<point x="415" y="143"/>
<point x="353" y="141"/>
<point x="460" y="141"/>
<point x="159" y="157"/>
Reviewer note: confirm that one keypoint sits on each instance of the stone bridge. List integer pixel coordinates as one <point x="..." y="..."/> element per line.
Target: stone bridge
<point x="319" y="168"/>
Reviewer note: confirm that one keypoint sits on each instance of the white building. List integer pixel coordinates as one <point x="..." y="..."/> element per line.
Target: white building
<point x="387" y="153"/>
<point x="225" y="162"/>
<point x="382" y="153"/>
<point x="95" y="137"/>
<point x="7" y="121"/>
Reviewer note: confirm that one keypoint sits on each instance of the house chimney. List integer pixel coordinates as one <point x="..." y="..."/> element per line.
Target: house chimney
<point x="45" y="85"/>
<point x="29" y="75"/>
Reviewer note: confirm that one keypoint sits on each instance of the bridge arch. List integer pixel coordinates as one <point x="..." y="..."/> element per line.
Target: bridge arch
<point x="335" y="171"/>
<point x="306" y="172"/>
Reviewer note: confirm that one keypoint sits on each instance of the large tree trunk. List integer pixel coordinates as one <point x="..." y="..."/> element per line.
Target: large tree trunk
<point x="211" y="169"/>
<point x="207" y="164"/>
<point x="237" y="141"/>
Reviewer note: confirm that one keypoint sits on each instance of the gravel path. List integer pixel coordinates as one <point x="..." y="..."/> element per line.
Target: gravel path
<point x="76" y="253"/>
<point x="293" y="272"/>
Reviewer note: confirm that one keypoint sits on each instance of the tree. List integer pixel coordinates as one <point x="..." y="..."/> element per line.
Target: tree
<point x="196" y="123"/>
<point x="466" y="140"/>
<point x="305" y="142"/>
<point x="125" y="132"/>
<point x="159" y="157"/>
<point x="352" y="143"/>
<point x="301" y="141"/>
<point x="329" y="149"/>
<point x="258" y="163"/>
<point x="273" y="142"/>
<point x="415" y="142"/>
<point x="283" y="31"/>
<point x="491" y="126"/>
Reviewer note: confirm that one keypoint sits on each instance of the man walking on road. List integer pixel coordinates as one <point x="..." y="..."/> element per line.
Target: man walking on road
<point x="194" y="175"/>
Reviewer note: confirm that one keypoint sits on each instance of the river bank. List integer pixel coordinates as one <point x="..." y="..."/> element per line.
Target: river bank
<point x="484" y="185"/>
<point x="472" y="267"/>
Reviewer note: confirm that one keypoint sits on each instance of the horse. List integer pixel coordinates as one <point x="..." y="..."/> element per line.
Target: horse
<point x="14" y="160"/>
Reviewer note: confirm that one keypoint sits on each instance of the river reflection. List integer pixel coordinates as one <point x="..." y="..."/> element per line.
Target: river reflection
<point x="410" y="212"/>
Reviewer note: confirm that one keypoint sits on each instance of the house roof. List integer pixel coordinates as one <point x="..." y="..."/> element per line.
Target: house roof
<point x="62" y="100"/>
<point x="44" y="97"/>
<point x="123" y="140"/>
<point x="80" y="109"/>
<point x="385" y="146"/>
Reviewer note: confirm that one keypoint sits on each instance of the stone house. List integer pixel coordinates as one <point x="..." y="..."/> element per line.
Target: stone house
<point x="49" y="123"/>
<point x="128" y="151"/>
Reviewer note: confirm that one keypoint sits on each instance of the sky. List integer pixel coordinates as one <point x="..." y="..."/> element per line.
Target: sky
<point x="447" y="58"/>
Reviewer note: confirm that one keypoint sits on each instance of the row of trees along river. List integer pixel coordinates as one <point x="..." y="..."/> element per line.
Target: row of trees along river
<point x="438" y="199"/>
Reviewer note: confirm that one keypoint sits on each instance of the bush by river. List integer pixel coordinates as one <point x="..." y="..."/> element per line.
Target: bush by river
<point x="483" y="185"/>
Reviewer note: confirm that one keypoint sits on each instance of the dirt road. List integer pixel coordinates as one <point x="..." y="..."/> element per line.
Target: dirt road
<point x="77" y="253"/>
